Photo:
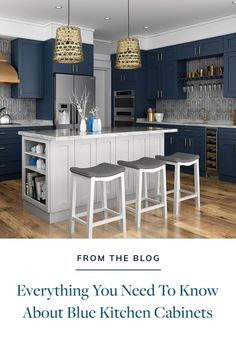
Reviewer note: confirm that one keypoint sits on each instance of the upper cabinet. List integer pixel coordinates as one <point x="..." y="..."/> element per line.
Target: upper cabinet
<point x="203" y="48"/>
<point x="27" y="58"/>
<point x="230" y="42"/>
<point x="161" y="55"/>
<point x="230" y="74"/>
<point x="84" y="68"/>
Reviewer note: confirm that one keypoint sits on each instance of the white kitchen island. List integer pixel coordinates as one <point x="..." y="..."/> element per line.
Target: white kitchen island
<point x="64" y="148"/>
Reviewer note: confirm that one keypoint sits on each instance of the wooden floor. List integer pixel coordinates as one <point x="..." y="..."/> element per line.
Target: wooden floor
<point x="216" y="219"/>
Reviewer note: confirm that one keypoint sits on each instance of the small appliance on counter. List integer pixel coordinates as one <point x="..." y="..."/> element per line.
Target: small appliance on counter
<point x="5" y="118"/>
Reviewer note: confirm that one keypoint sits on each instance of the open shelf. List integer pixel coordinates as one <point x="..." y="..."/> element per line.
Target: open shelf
<point x="30" y="153"/>
<point x="201" y="78"/>
<point x="35" y="169"/>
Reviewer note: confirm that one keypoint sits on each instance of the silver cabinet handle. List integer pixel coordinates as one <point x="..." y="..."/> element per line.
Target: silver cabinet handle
<point x="185" y="142"/>
<point x="2" y="166"/>
<point x="1" y="133"/>
<point x="20" y="92"/>
<point x="157" y="93"/>
<point x="199" y="50"/>
<point x="2" y="148"/>
<point x="189" y="142"/>
<point x="161" y="56"/>
<point x="171" y="140"/>
<point x="195" y="51"/>
<point x="157" y="56"/>
<point x="161" y="93"/>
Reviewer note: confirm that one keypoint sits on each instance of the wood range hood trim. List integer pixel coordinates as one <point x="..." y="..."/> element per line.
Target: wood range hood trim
<point x="8" y="74"/>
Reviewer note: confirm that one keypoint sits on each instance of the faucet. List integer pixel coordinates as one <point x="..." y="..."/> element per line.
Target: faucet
<point x="204" y="115"/>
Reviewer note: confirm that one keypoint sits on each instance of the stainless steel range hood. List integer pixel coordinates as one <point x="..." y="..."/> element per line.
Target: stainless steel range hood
<point x="8" y="74"/>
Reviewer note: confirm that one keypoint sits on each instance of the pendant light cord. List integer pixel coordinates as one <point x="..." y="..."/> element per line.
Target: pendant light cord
<point x="68" y="13"/>
<point x="128" y="18"/>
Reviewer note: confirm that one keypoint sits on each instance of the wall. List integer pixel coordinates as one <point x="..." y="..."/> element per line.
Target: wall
<point x="201" y="97"/>
<point x="20" y="109"/>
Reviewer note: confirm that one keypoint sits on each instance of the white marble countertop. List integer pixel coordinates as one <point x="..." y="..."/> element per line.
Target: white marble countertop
<point x="70" y="134"/>
<point x="189" y="123"/>
<point x="27" y="123"/>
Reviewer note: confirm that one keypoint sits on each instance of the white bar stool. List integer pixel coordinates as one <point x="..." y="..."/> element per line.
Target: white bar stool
<point x="144" y="166"/>
<point x="104" y="173"/>
<point x="177" y="160"/>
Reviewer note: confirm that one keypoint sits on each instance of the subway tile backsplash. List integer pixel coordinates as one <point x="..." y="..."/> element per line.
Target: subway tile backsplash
<point x="20" y="109"/>
<point x="204" y="95"/>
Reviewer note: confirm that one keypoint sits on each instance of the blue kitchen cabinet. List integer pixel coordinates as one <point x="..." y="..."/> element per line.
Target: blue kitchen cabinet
<point x="230" y="43"/>
<point x="120" y="76"/>
<point x="84" y="68"/>
<point x="27" y="58"/>
<point x="230" y="74"/>
<point x="159" y="55"/>
<point x="10" y="151"/>
<point x="227" y="154"/>
<point x="203" y="48"/>
<point x="163" y="80"/>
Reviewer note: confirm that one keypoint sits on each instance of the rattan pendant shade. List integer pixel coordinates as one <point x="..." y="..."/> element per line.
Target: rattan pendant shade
<point x="68" y="45"/>
<point x="128" y="52"/>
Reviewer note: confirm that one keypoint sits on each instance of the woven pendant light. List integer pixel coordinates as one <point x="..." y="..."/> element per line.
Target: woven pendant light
<point x="128" y="52"/>
<point x="68" y="45"/>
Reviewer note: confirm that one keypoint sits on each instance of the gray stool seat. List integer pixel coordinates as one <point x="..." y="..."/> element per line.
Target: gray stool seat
<point x="143" y="163"/>
<point x="180" y="157"/>
<point x="101" y="170"/>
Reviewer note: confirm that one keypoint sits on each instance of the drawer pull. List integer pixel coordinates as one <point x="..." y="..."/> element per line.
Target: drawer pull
<point x="1" y="133"/>
<point x="187" y="130"/>
<point x="2" y="148"/>
<point x="2" y="166"/>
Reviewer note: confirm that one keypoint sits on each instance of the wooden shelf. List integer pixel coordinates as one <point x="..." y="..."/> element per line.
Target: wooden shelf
<point x="201" y="78"/>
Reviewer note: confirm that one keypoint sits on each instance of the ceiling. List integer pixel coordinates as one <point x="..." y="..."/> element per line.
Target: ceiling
<point x="159" y="15"/>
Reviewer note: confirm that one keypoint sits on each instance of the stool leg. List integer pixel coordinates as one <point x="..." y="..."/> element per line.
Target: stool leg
<point x="139" y="199"/>
<point x="73" y="204"/>
<point x="122" y="201"/>
<point x="163" y="191"/>
<point x="104" y="198"/>
<point x="158" y="189"/>
<point x="197" y="184"/>
<point x="145" y="189"/>
<point x="90" y="209"/>
<point x="177" y="189"/>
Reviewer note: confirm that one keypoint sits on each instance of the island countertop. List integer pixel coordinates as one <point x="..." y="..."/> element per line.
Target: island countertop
<point x="75" y="134"/>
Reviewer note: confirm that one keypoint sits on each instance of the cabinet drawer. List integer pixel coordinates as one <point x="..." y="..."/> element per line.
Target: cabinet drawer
<point x="10" y="152"/>
<point x="10" y="167"/>
<point x="192" y="131"/>
<point x="227" y="134"/>
<point x="7" y="134"/>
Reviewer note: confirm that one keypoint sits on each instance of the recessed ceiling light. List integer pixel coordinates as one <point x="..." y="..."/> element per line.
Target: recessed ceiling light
<point x="234" y="2"/>
<point x="107" y="18"/>
<point x="58" y="7"/>
<point x="146" y="27"/>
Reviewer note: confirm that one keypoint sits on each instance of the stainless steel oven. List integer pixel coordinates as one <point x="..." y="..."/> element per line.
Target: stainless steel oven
<point x="124" y="104"/>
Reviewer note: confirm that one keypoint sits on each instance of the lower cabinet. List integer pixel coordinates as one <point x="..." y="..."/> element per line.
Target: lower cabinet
<point x="227" y="154"/>
<point x="10" y="152"/>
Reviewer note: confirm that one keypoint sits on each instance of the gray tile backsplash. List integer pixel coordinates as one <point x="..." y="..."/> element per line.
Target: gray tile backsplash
<point x="20" y="109"/>
<point x="202" y="95"/>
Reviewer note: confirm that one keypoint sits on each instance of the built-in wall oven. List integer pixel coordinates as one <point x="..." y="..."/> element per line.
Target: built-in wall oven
<point x="124" y="107"/>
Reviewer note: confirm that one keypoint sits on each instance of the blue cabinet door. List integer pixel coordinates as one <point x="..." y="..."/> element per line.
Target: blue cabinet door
<point x="211" y="46"/>
<point x="227" y="157"/>
<point x="230" y="74"/>
<point x="159" y="55"/>
<point x="27" y="58"/>
<point x="84" y="68"/>
<point x="188" y="50"/>
<point x="154" y="81"/>
<point x="230" y="43"/>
